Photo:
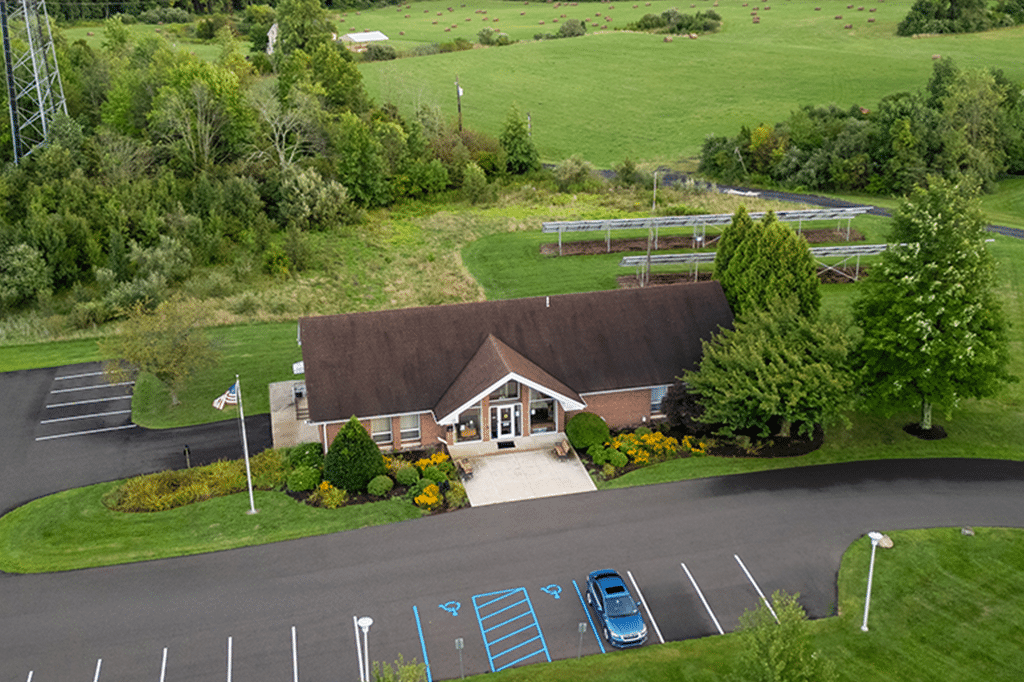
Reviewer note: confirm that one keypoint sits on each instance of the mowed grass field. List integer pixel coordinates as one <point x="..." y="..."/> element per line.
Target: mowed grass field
<point x="611" y="95"/>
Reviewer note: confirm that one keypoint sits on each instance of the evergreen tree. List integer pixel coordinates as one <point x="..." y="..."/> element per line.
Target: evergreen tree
<point x="522" y="155"/>
<point x="769" y="261"/>
<point x="777" y="368"/>
<point x="353" y="458"/>
<point x="934" y="332"/>
<point x="733" y="235"/>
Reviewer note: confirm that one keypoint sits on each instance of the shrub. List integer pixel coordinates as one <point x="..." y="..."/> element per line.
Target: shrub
<point x="448" y="469"/>
<point x="617" y="459"/>
<point x="307" y="454"/>
<point x="429" y="499"/>
<point x="456" y="496"/>
<point x="353" y="459"/>
<point x="327" y="496"/>
<point x="432" y="473"/>
<point x="572" y="28"/>
<point x="380" y="486"/>
<point x="586" y="429"/>
<point x="575" y="174"/>
<point x="598" y="454"/>
<point x="608" y="471"/>
<point x="379" y="52"/>
<point x="474" y="185"/>
<point x="270" y="469"/>
<point x="303" y="478"/>
<point x="407" y="476"/>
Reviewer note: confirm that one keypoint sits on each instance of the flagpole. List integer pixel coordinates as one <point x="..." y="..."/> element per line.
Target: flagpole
<point x="245" y="446"/>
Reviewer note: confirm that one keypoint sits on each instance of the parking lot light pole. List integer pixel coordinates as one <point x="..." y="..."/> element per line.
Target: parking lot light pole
<point x="876" y="537"/>
<point x="364" y="624"/>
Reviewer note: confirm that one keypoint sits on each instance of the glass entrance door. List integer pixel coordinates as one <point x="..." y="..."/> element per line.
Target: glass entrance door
<point x="506" y="421"/>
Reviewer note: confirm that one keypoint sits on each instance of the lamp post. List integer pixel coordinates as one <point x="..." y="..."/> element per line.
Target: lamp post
<point x="364" y="624"/>
<point x="876" y="539"/>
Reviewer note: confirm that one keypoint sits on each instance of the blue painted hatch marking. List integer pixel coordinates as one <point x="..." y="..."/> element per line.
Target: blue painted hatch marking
<point x="587" y="611"/>
<point x="509" y="627"/>
<point x="423" y="645"/>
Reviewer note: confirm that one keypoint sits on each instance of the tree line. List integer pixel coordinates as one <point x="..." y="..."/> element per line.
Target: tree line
<point x="966" y="123"/>
<point x="166" y="162"/>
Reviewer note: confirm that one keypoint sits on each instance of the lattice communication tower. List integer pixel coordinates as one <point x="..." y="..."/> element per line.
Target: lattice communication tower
<point x="34" y="91"/>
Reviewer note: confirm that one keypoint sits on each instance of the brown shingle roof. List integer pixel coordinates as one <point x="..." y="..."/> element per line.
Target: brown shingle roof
<point x="493" y="362"/>
<point x="401" y="361"/>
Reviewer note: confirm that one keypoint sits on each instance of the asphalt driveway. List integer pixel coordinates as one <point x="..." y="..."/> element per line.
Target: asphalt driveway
<point x="63" y="427"/>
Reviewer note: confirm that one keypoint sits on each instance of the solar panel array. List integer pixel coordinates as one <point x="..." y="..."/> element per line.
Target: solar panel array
<point x="698" y="220"/>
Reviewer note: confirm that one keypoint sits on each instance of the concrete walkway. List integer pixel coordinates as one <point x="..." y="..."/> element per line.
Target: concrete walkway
<point x="524" y="475"/>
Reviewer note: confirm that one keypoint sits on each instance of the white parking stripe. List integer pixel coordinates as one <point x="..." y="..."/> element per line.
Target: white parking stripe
<point x="702" y="599"/>
<point x="163" y="667"/>
<point x="756" y="587"/>
<point x="89" y="388"/>
<point x="77" y="376"/>
<point x="86" y="402"/>
<point x="85" y="433"/>
<point x="96" y="677"/>
<point x="646" y="608"/>
<point x="84" y="416"/>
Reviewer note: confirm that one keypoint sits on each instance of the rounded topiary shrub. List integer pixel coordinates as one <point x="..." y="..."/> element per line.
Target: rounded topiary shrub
<point x="586" y="429"/>
<point x="380" y="486"/>
<point x="432" y="473"/>
<point x="407" y="476"/>
<point x="303" y="478"/>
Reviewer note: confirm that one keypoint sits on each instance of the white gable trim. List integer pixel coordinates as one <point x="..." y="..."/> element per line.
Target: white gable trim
<point x="566" y="402"/>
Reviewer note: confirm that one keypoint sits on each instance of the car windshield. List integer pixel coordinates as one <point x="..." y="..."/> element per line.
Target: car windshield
<point x="621" y="606"/>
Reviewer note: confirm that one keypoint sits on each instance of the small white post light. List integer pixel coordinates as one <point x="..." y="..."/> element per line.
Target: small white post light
<point x="364" y="624"/>
<point x="876" y="539"/>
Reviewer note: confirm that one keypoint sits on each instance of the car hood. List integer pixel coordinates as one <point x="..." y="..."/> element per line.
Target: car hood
<point x="626" y="626"/>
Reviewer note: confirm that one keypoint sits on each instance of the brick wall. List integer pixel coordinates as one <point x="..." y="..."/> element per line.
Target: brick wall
<point x="620" y="409"/>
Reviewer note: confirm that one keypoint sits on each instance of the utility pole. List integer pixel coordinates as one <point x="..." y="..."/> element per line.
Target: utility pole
<point x="458" y="99"/>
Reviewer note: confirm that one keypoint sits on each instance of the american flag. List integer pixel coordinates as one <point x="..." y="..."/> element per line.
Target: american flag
<point x="230" y="397"/>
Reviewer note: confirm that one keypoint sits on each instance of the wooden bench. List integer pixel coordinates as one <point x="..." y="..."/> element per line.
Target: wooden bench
<point x="562" y="449"/>
<point x="464" y="467"/>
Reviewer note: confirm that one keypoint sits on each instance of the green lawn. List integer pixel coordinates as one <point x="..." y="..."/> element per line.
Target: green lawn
<point x="72" y="529"/>
<point x="612" y="95"/>
<point x="943" y="607"/>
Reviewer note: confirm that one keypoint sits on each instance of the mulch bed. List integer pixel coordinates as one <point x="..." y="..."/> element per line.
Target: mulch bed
<point x="776" y="446"/>
<point x="934" y="433"/>
<point x="675" y="242"/>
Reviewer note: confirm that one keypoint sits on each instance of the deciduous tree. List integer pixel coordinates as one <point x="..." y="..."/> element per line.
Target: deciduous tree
<point x="934" y="332"/>
<point x="782" y="650"/>
<point x="168" y="343"/>
<point x="521" y="154"/>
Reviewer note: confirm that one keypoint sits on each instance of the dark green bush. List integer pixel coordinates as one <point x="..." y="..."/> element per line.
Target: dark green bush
<point x="586" y="429"/>
<point x="379" y="52"/>
<point x="617" y="459"/>
<point x="307" y="454"/>
<point x="448" y="469"/>
<point x="353" y="459"/>
<point x="380" y="486"/>
<point x="432" y="473"/>
<point x="407" y="476"/>
<point x="598" y="454"/>
<point x="303" y="478"/>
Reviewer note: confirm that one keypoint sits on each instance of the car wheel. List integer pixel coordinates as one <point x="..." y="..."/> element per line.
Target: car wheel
<point x="606" y="636"/>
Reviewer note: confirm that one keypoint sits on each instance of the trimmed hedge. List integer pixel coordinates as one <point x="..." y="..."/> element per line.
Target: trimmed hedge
<point x="586" y="429"/>
<point x="380" y="486"/>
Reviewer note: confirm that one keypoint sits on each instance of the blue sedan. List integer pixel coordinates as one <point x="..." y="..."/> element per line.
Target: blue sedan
<point x="617" y="612"/>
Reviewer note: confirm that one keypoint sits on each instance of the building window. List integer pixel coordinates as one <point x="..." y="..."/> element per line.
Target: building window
<point x="468" y="427"/>
<point x="542" y="413"/>
<point x="380" y="430"/>
<point x="409" y="427"/>
<point x="657" y="393"/>
<point x="508" y="391"/>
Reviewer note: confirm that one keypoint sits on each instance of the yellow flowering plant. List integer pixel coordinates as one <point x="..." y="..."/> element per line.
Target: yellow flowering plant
<point x="430" y="498"/>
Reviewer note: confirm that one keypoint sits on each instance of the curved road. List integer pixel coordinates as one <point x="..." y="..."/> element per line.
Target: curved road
<point x="789" y="527"/>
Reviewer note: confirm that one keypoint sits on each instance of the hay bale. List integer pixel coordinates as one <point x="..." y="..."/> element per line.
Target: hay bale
<point x="848" y="26"/>
<point x="667" y="39"/>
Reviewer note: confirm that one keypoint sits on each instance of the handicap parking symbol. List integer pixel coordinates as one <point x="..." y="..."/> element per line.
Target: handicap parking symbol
<point x="554" y="590"/>
<point x="451" y="607"/>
